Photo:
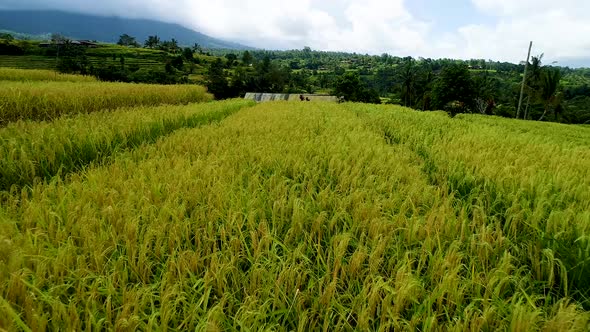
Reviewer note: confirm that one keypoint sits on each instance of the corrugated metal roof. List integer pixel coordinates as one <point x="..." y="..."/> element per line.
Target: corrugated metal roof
<point x="262" y="97"/>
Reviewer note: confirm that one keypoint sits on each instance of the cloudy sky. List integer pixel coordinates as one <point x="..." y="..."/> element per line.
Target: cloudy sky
<point x="489" y="29"/>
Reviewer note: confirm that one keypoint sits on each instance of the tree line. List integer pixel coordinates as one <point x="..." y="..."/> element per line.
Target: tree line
<point x="475" y="86"/>
<point x="457" y="86"/>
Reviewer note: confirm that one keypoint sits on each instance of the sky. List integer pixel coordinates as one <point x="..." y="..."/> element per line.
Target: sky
<point x="465" y="29"/>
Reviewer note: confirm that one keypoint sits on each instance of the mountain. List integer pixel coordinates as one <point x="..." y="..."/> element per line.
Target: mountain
<point x="105" y="29"/>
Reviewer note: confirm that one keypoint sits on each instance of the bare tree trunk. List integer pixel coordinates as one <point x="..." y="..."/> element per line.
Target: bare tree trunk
<point x="480" y="105"/>
<point x="544" y="113"/>
<point x="526" y="110"/>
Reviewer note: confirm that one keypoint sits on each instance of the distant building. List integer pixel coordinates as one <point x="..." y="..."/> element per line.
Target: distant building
<point x="262" y="97"/>
<point x="85" y="43"/>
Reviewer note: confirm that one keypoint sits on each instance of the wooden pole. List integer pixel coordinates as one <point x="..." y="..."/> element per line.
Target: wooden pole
<point x="526" y="65"/>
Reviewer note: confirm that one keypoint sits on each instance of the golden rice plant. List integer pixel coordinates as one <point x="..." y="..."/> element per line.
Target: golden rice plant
<point x="14" y="74"/>
<point x="34" y="151"/>
<point x="296" y="216"/>
<point x="531" y="179"/>
<point x="51" y="100"/>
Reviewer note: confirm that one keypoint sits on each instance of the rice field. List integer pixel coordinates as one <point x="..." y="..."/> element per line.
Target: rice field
<point x="48" y="63"/>
<point x="51" y="100"/>
<point x="13" y="74"/>
<point x="301" y="216"/>
<point x="42" y="150"/>
<point x="27" y="62"/>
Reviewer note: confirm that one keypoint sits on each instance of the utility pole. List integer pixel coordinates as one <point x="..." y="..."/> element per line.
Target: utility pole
<point x="526" y="65"/>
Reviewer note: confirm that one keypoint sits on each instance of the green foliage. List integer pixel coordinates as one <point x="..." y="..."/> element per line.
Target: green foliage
<point x="9" y="47"/>
<point x="126" y="40"/>
<point x="247" y="58"/>
<point x="494" y="87"/>
<point x="177" y="62"/>
<point x="188" y="54"/>
<point x="217" y="84"/>
<point x="351" y="88"/>
<point x="170" y="46"/>
<point x="152" y="42"/>
<point x="454" y="90"/>
<point x="6" y="36"/>
<point x="577" y="110"/>
<point x="72" y="59"/>
<point x="408" y="81"/>
<point x="549" y="84"/>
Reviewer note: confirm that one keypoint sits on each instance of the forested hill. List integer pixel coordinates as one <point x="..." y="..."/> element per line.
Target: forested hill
<point x="551" y="93"/>
<point x="106" y="29"/>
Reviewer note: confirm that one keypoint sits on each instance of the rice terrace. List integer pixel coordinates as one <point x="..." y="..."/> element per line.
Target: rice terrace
<point x="127" y="207"/>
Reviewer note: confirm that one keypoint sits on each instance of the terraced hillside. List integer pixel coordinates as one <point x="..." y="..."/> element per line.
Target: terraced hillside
<point x="45" y="62"/>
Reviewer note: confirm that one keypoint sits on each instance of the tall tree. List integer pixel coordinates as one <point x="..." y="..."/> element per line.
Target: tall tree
<point x="197" y="48"/>
<point x="152" y="42"/>
<point x="247" y="58"/>
<point x="174" y="45"/>
<point x="454" y="86"/>
<point x="188" y="54"/>
<point x="217" y="83"/>
<point x="231" y="59"/>
<point x="533" y="82"/>
<point x="351" y="88"/>
<point x="126" y="40"/>
<point x="550" y="78"/>
<point x="408" y="79"/>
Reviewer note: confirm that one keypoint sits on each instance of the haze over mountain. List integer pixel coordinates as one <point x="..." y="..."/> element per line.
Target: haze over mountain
<point x="103" y="28"/>
<point x="461" y="29"/>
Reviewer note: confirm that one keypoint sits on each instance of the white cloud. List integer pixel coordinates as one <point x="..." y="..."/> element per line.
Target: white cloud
<point x="558" y="28"/>
<point x="371" y="26"/>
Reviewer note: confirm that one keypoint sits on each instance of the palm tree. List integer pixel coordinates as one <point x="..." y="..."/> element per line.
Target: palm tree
<point x="152" y="42"/>
<point x="408" y="78"/>
<point x="533" y="80"/>
<point x="535" y="67"/>
<point x="550" y="78"/>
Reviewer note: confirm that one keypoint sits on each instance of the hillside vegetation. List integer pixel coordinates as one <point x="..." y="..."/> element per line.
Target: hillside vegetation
<point x="299" y="216"/>
<point x="557" y="94"/>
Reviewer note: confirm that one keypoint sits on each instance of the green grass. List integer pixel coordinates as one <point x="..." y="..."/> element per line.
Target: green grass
<point x="299" y="216"/>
